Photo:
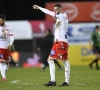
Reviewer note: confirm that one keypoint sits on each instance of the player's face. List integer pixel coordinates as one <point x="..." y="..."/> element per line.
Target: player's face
<point x="47" y="32"/>
<point x="99" y="29"/>
<point x="2" y="21"/>
<point x="57" y="10"/>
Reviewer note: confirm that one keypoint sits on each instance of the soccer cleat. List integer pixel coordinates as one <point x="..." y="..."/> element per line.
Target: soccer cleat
<point x="50" y="84"/>
<point x="3" y="79"/>
<point x="64" y="84"/>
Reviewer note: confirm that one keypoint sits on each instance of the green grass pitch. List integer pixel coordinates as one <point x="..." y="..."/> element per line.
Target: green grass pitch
<point x="82" y="78"/>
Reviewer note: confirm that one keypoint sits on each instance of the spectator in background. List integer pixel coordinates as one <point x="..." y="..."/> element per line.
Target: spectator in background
<point x="46" y="48"/>
<point x="95" y="47"/>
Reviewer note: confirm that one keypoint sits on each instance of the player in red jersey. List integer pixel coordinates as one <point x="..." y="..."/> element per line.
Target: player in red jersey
<point x="6" y="40"/>
<point x="60" y="47"/>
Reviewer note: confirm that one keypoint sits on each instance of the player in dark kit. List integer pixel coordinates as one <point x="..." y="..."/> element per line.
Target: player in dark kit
<point x="95" y="47"/>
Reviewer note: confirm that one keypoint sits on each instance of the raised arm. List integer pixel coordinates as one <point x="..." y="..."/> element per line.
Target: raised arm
<point x="44" y="10"/>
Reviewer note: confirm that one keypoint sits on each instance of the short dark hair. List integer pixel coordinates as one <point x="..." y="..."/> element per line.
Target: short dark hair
<point x="58" y="5"/>
<point x="49" y="30"/>
<point x="3" y="16"/>
<point x="96" y="27"/>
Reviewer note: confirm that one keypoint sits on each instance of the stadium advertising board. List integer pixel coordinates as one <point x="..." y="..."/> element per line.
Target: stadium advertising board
<point x="80" y="32"/>
<point x="78" y="11"/>
<point x="21" y="29"/>
<point x="80" y="54"/>
<point x="79" y="50"/>
<point x="39" y="27"/>
<point x="28" y="29"/>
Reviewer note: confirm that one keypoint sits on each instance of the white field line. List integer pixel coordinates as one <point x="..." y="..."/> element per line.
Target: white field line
<point x="15" y="81"/>
<point x="18" y="82"/>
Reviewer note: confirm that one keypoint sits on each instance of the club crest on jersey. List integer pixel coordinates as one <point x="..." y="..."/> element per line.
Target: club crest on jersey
<point x="1" y="56"/>
<point x="52" y="52"/>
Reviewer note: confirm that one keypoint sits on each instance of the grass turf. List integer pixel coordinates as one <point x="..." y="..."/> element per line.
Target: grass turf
<point x="82" y="78"/>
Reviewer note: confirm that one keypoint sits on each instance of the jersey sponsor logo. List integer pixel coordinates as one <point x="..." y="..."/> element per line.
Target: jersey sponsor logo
<point x="95" y="14"/>
<point x="4" y="37"/>
<point x="52" y="52"/>
<point x="1" y="55"/>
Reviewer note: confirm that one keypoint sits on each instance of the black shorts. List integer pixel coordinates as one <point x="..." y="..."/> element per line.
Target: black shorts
<point x="96" y="49"/>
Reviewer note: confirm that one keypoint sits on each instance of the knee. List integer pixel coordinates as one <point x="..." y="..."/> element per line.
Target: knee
<point x="50" y="59"/>
<point x="66" y="69"/>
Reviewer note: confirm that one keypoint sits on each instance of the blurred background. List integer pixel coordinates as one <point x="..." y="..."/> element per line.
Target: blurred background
<point x="29" y="28"/>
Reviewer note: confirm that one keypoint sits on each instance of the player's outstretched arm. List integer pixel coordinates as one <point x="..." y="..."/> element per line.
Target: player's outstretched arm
<point x="44" y="10"/>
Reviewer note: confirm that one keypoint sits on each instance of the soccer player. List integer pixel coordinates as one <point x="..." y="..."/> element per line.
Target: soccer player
<point x="95" y="47"/>
<point x="60" y="47"/>
<point x="6" y="40"/>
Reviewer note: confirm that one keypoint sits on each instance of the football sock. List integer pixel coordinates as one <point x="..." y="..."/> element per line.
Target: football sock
<point x="67" y="71"/>
<point x="52" y="70"/>
<point x="3" y="70"/>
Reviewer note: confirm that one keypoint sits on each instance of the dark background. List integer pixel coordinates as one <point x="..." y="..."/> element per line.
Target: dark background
<point x="22" y="9"/>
